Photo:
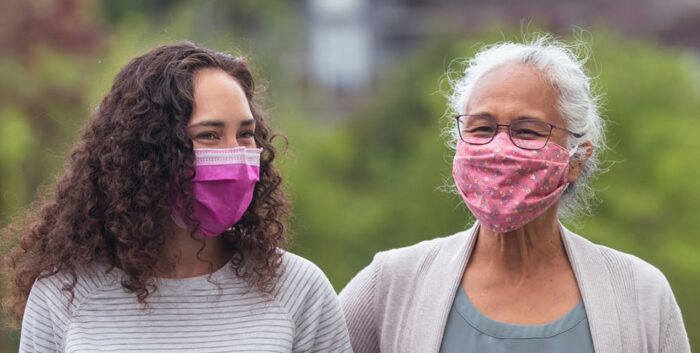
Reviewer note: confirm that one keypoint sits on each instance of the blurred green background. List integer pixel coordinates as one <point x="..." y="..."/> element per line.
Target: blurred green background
<point x="357" y="88"/>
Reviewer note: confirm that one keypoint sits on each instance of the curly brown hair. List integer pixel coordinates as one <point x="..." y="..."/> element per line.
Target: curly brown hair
<point x="112" y="203"/>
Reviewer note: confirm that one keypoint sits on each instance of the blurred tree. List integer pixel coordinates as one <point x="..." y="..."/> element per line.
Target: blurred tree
<point x="43" y="46"/>
<point x="374" y="180"/>
<point x="374" y="183"/>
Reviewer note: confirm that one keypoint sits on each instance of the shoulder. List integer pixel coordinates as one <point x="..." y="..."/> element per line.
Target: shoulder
<point x="301" y="280"/>
<point x="297" y="270"/>
<point x="642" y="294"/>
<point x="54" y="299"/>
<point x="625" y="262"/>
<point x="384" y="288"/>
<point x="648" y="282"/>
<point x="398" y="270"/>
<point x="633" y="277"/>
<point x="309" y="298"/>
<point x="414" y="259"/>
<point x="68" y="289"/>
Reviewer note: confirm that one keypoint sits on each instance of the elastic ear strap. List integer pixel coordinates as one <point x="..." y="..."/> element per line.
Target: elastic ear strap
<point x="572" y="151"/>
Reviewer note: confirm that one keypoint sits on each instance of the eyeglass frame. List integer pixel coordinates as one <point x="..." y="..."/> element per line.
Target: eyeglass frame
<point x="510" y="136"/>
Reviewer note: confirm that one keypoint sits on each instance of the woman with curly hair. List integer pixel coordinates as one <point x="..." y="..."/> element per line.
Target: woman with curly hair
<point x="165" y="231"/>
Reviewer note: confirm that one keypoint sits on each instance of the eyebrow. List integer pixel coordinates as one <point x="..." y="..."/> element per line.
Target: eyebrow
<point x="528" y="117"/>
<point x="214" y="123"/>
<point x="520" y="117"/>
<point x="219" y="123"/>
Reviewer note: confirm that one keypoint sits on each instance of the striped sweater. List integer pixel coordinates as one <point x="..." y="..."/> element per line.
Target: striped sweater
<point x="220" y="313"/>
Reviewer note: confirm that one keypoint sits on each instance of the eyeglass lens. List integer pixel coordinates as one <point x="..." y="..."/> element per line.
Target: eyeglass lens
<point x="526" y="134"/>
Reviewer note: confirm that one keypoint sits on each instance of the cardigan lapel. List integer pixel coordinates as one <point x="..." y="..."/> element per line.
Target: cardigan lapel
<point x="436" y="290"/>
<point x="594" y="282"/>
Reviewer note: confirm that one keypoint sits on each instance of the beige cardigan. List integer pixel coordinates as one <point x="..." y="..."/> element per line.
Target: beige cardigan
<point x="400" y="302"/>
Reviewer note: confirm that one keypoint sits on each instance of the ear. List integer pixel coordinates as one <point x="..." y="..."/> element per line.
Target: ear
<point x="578" y="160"/>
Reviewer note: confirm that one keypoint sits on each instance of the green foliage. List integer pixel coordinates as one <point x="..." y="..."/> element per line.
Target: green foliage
<point x="373" y="180"/>
<point x="373" y="184"/>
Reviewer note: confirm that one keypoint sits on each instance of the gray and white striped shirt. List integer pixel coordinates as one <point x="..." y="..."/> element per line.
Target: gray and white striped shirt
<point x="187" y="315"/>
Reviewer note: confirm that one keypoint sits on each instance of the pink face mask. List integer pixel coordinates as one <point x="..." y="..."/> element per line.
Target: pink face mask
<point x="223" y="188"/>
<point x="506" y="187"/>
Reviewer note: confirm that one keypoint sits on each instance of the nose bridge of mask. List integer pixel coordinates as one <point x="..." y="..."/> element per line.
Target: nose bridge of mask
<point x="236" y="155"/>
<point x="502" y="136"/>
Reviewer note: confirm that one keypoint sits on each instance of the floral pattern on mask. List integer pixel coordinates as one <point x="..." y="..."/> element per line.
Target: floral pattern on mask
<point x="506" y="187"/>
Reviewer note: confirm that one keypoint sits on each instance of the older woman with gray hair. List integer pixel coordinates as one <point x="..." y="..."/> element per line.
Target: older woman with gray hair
<point x="527" y="137"/>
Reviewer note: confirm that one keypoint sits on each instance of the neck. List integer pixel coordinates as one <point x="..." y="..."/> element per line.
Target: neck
<point x="522" y="253"/>
<point x="188" y="257"/>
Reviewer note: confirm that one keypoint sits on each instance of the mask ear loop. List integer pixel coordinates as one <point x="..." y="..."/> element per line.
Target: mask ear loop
<point x="572" y="151"/>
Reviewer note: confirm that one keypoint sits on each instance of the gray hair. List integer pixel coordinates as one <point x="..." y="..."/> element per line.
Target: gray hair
<point x="563" y="66"/>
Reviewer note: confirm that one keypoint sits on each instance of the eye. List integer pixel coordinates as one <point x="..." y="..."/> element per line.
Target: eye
<point x="479" y="130"/>
<point x="207" y="136"/>
<point x="482" y="128"/>
<point x="530" y="130"/>
<point x="528" y="133"/>
<point x="247" y="134"/>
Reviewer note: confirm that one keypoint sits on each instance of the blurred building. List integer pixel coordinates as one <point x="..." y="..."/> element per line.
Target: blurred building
<point x="352" y="42"/>
<point x="341" y="50"/>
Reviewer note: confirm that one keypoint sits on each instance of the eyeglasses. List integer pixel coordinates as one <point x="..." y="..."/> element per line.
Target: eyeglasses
<point x="527" y="133"/>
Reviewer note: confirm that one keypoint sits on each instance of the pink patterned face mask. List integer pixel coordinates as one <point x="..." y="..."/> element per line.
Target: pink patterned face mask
<point x="506" y="187"/>
<point x="223" y="188"/>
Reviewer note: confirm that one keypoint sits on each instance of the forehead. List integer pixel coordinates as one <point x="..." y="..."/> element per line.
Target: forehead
<point x="209" y="80"/>
<point x="218" y="95"/>
<point x="513" y="90"/>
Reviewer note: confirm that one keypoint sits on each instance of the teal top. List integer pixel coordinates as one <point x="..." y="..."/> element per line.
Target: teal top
<point x="467" y="330"/>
